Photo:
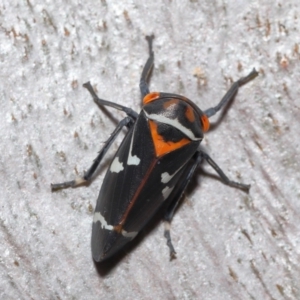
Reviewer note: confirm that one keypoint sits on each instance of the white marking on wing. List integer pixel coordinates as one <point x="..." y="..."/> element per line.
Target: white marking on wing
<point x="132" y="159"/>
<point x="100" y="218"/>
<point x="173" y="122"/>
<point x="166" y="177"/>
<point x="131" y="234"/>
<point x="167" y="191"/>
<point x="116" y="166"/>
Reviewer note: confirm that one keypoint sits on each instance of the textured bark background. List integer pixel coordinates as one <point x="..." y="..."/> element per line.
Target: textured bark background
<point x="230" y="245"/>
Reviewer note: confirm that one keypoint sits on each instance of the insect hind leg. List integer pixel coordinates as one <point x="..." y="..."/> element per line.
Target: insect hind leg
<point x="222" y="175"/>
<point x="179" y="190"/>
<point x="176" y="195"/>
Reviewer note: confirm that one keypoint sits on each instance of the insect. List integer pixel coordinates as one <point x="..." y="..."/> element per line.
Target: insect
<point x="152" y="166"/>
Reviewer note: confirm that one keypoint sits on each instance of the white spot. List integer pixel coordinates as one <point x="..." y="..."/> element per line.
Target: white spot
<point x="100" y="218"/>
<point x="116" y="166"/>
<point x="167" y="191"/>
<point x="132" y="160"/>
<point x="131" y="234"/>
<point x="173" y="122"/>
<point x="167" y="225"/>
<point x="166" y="177"/>
<point x="79" y="180"/>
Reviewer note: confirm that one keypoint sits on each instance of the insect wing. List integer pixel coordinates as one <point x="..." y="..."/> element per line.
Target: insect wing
<point x="135" y="186"/>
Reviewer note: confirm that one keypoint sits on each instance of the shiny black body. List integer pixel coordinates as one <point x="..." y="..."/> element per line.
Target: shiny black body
<point x="152" y="166"/>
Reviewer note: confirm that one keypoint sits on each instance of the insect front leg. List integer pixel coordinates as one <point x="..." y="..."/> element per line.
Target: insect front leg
<point x="147" y="68"/>
<point x="176" y="197"/>
<point x="88" y="176"/>
<point x="231" y="93"/>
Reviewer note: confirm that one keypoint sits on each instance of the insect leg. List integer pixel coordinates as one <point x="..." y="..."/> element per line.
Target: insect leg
<point x="178" y="191"/>
<point x="224" y="178"/>
<point x="231" y="93"/>
<point x="147" y="68"/>
<point x="93" y="169"/>
<point x="130" y="112"/>
<point x="176" y="197"/>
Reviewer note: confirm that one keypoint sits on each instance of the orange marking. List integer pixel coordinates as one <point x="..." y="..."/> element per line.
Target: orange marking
<point x="205" y="123"/>
<point x="189" y="113"/>
<point x="151" y="97"/>
<point x="162" y="147"/>
<point x="170" y="103"/>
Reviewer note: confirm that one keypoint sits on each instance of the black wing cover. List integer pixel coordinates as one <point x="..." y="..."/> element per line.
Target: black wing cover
<point x="131" y="196"/>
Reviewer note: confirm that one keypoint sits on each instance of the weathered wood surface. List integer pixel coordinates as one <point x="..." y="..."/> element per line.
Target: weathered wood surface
<point x="230" y="245"/>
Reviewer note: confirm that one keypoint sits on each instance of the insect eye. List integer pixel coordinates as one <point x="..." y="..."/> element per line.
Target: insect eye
<point x="150" y="97"/>
<point x="205" y="123"/>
